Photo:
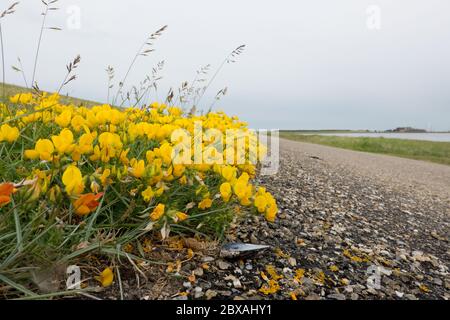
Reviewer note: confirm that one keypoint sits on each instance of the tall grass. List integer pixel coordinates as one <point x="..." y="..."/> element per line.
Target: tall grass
<point x="10" y="10"/>
<point x="144" y="50"/>
<point x="48" y="7"/>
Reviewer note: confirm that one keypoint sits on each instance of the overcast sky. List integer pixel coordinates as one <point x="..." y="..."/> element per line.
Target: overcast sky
<point x="308" y="64"/>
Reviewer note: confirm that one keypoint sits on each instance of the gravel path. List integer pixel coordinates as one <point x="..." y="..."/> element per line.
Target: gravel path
<point x="346" y="216"/>
<point x="352" y="225"/>
<point x="423" y="178"/>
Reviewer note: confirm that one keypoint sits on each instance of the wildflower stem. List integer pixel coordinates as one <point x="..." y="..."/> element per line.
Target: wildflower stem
<point x="23" y="73"/>
<point x="18" y="228"/>
<point x="122" y="83"/>
<point x="228" y="59"/>
<point x="16" y="286"/>
<point x="3" y="62"/>
<point x="211" y="81"/>
<point x="39" y="45"/>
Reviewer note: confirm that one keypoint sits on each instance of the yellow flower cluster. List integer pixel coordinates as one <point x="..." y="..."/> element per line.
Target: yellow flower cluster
<point x="8" y="134"/>
<point x="132" y="151"/>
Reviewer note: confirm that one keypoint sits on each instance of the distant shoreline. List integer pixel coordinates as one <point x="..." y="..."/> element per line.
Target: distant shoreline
<point x="434" y="151"/>
<point x="353" y="131"/>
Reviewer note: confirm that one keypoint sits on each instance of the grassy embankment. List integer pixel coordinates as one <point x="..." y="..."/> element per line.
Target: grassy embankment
<point x="11" y="90"/>
<point x="438" y="152"/>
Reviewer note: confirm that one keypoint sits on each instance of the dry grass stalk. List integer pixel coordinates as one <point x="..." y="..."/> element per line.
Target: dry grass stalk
<point x="145" y="49"/>
<point x="49" y="6"/>
<point x="10" y="10"/>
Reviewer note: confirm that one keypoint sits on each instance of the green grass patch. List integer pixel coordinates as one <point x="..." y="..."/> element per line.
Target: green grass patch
<point x="11" y="89"/>
<point x="438" y="152"/>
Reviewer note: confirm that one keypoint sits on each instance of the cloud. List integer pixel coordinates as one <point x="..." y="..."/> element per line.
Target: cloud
<point x="308" y="64"/>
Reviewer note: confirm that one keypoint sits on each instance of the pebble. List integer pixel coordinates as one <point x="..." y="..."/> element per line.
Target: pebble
<point x="209" y="294"/>
<point x="292" y="261"/>
<point x="223" y="265"/>
<point x="198" y="292"/>
<point x="198" y="272"/>
<point x="207" y="259"/>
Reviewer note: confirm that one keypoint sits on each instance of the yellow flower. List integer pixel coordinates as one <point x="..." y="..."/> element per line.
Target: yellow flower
<point x="97" y="154"/>
<point x="160" y="191"/>
<point x="271" y="212"/>
<point x="43" y="150"/>
<point x="110" y="140"/>
<point x="183" y="180"/>
<point x="78" y="122"/>
<point x="148" y="194"/>
<point x="261" y="203"/>
<point x="109" y="147"/>
<point x="9" y="134"/>
<point x="104" y="178"/>
<point x="138" y="168"/>
<point x="228" y="172"/>
<point x="225" y="191"/>
<point x="123" y="157"/>
<point x="150" y="155"/>
<point x="23" y="98"/>
<point x="242" y="190"/>
<point x="205" y="204"/>
<point x="63" y="120"/>
<point x="63" y="142"/>
<point x="181" y="216"/>
<point x="85" y="143"/>
<point x="73" y="180"/>
<point x="178" y="170"/>
<point x="157" y="212"/>
<point x="106" y="278"/>
<point x="244" y="178"/>
<point x="166" y="153"/>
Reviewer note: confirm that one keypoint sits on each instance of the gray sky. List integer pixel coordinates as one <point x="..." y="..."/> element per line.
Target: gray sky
<point x="307" y="65"/>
